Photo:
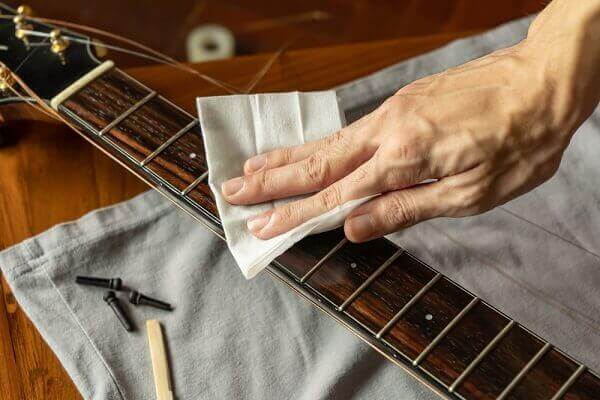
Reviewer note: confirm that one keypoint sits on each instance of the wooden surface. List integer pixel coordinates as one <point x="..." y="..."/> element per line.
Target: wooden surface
<point x="50" y="175"/>
<point x="265" y="25"/>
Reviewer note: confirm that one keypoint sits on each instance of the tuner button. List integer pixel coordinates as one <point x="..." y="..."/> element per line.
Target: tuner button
<point x="6" y="79"/>
<point x="24" y="9"/>
<point x="55" y="34"/>
<point x="18" y="19"/>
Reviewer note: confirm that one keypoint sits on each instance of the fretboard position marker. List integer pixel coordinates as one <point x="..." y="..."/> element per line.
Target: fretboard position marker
<point x="567" y="385"/>
<point x="322" y="260"/>
<point x="370" y="280"/>
<point x="524" y="371"/>
<point x="407" y="306"/>
<point x="192" y="185"/>
<point x="445" y="331"/>
<point x="167" y="143"/>
<point x="127" y="113"/>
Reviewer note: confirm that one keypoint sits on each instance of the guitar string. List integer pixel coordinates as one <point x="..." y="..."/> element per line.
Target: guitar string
<point x="162" y="58"/>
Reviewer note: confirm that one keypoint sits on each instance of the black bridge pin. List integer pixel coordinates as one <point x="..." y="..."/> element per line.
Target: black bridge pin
<point x="113" y="283"/>
<point x="139" y="299"/>
<point x="114" y="303"/>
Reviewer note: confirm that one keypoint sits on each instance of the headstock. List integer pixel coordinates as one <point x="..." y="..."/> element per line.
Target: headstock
<point x="48" y="60"/>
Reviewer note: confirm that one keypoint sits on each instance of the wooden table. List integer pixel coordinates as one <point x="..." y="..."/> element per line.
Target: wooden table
<point x="49" y="175"/>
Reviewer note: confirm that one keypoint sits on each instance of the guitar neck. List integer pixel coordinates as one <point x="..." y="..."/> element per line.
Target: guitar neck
<point x="456" y="343"/>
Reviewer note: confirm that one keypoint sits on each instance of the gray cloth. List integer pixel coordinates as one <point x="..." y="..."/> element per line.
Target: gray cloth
<point x="536" y="258"/>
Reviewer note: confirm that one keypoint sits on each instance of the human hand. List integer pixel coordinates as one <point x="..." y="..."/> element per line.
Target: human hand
<point x="486" y="131"/>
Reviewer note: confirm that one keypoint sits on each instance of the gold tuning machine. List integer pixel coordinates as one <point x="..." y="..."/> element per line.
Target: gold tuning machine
<point x="6" y="79"/>
<point x="58" y="44"/>
<point x="25" y="10"/>
<point x="21" y="25"/>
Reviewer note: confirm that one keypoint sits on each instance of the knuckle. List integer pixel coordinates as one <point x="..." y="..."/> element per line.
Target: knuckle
<point x="266" y="181"/>
<point x="286" y="155"/>
<point x="401" y="211"/>
<point x="333" y="139"/>
<point x="329" y="198"/>
<point x="316" y="170"/>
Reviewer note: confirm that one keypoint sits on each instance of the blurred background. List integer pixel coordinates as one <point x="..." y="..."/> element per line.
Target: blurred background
<point x="261" y="26"/>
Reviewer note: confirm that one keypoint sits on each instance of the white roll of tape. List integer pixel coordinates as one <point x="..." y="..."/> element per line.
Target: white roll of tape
<point x="210" y="42"/>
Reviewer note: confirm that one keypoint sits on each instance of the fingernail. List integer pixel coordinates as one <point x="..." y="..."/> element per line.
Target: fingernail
<point x="362" y="226"/>
<point x="232" y="186"/>
<point x="256" y="163"/>
<point x="255" y="224"/>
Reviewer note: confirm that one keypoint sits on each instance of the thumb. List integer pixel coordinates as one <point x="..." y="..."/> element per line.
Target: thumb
<point x="393" y="211"/>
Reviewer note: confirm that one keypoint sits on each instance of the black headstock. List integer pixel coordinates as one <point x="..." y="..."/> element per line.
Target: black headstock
<point x="45" y="69"/>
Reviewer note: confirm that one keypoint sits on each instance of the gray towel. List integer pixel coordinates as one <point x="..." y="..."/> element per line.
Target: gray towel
<point x="536" y="258"/>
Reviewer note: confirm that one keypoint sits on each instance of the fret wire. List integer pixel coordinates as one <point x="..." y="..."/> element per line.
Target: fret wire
<point x="524" y="371"/>
<point x="192" y="185"/>
<point x="370" y="280"/>
<point x="490" y="346"/>
<point x="167" y="143"/>
<point x="407" y="306"/>
<point x="567" y="385"/>
<point x="127" y="113"/>
<point x="322" y="260"/>
<point x="445" y="331"/>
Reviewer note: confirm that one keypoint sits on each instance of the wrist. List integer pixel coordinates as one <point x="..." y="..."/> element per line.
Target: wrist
<point x="564" y="45"/>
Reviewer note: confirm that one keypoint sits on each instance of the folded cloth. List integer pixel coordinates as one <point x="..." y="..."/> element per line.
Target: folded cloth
<point x="238" y="127"/>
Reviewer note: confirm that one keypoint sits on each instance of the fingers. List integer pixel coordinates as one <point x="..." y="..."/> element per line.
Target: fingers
<point x="289" y="155"/>
<point x="306" y="176"/>
<point x="395" y="210"/>
<point x="358" y="184"/>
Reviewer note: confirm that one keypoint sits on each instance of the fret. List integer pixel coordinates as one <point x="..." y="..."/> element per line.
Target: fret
<point x="127" y="113"/>
<point x="104" y="99"/>
<point x="445" y="331"/>
<point x="407" y="306"/>
<point x="524" y="371"/>
<point x="546" y="377"/>
<point x="586" y="387"/>
<point x="166" y="144"/>
<point x="346" y="268"/>
<point x="501" y="365"/>
<point x="567" y="385"/>
<point x="370" y="280"/>
<point x="194" y="184"/>
<point x="322" y="260"/>
<point x="298" y="260"/>
<point x="427" y="318"/>
<point x="490" y="346"/>
<point x="387" y="294"/>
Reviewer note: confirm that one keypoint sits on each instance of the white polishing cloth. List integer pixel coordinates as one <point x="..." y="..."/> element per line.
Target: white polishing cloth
<point x="238" y="127"/>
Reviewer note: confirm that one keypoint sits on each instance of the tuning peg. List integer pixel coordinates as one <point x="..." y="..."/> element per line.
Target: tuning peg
<point x="58" y="44"/>
<point x="24" y="9"/>
<point x="6" y="79"/>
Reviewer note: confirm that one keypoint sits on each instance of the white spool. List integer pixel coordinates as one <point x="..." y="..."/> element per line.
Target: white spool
<point x="210" y="42"/>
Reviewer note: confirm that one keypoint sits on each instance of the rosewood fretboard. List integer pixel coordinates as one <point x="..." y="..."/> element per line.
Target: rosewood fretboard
<point x="418" y="318"/>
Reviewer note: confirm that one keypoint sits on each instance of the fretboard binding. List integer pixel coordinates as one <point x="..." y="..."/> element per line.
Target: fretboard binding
<point x="192" y="185"/>
<point x="370" y="280"/>
<point x="169" y="142"/>
<point x="445" y="331"/>
<point x="490" y="346"/>
<point x="127" y="113"/>
<point x="322" y="260"/>
<point x="407" y="306"/>
<point x="524" y="371"/>
<point x="567" y="385"/>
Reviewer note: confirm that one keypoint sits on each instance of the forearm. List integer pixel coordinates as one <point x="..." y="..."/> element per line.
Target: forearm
<point x="565" y="40"/>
